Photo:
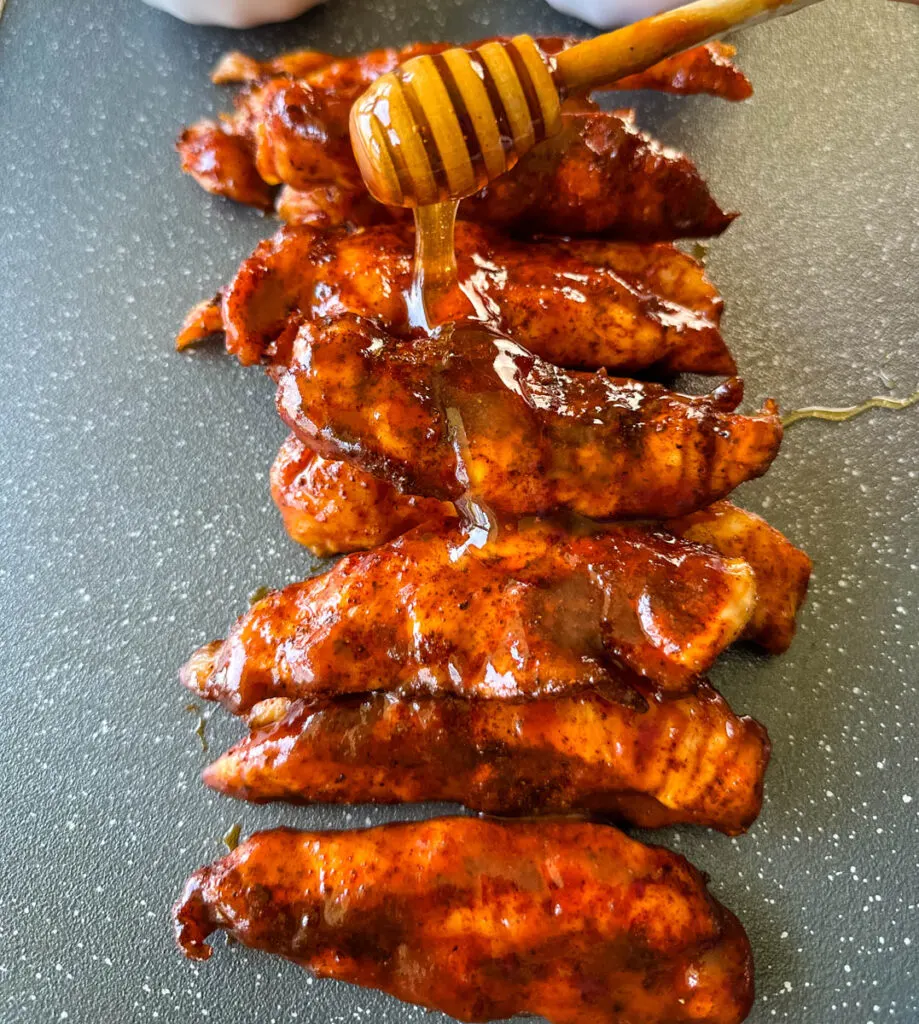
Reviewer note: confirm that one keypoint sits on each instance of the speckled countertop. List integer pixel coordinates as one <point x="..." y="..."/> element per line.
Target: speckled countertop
<point x="136" y="519"/>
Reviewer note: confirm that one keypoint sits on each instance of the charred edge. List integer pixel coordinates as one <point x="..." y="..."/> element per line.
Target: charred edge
<point x="203" y="321"/>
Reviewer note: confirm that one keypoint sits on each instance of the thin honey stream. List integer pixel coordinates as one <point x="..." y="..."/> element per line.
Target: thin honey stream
<point x="434" y="278"/>
<point x="434" y="269"/>
<point x="848" y="412"/>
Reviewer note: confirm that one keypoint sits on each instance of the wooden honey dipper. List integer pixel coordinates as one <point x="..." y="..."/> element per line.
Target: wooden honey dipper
<point x="440" y="127"/>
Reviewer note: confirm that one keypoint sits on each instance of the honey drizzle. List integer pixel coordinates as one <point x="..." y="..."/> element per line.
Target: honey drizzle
<point x="434" y="276"/>
<point x="434" y="271"/>
<point x="850" y="412"/>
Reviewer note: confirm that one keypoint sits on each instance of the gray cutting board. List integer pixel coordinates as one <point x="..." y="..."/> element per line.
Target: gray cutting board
<point x="136" y="517"/>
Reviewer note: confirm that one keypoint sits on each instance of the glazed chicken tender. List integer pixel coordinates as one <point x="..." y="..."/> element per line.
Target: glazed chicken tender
<point x="485" y="919"/>
<point x="537" y="612"/>
<point x="586" y="304"/>
<point x="651" y="763"/>
<point x="468" y="413"/>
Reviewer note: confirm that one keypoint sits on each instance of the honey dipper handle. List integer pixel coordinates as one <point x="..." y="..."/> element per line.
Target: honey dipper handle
<point x="603" y="60"/>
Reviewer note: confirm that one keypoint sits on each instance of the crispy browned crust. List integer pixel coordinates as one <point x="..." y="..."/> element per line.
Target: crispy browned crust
<point x="291" y="128"/>
<point x="704" y="69"/>
<point x="601" y="177"/>
<point x="222" y="162"/>
<point x="333" y="508"/>
<point x="201" y="322"/>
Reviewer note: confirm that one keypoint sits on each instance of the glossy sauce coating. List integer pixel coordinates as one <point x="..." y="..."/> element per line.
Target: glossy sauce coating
<point x="601" y="176"/>
<point x="356" y="683"/>
<point x="471" y="414"/>
<point x="222" y="161"/>
<point x="291" y="122"/>
<point x="485" y="919"/>
<point x="586" y="304"/>
<point x="782" y="570"/>
<point x="333" y="206"/>
<point x="703" y="69"/>
<point x="535" y="612"/>
<point x="334" y="507"/>
<point x="685" y="760"/>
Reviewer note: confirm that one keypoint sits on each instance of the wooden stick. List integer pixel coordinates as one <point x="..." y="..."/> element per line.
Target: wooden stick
<point x="603" y="60"/>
